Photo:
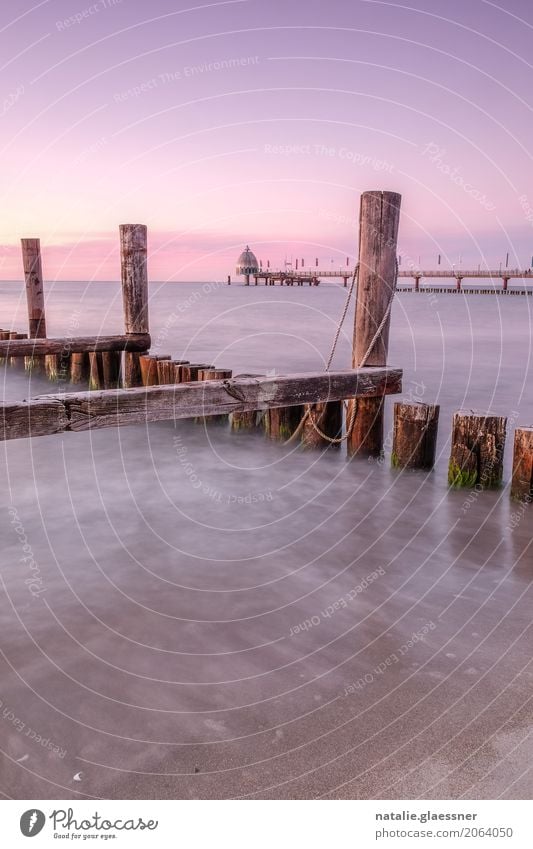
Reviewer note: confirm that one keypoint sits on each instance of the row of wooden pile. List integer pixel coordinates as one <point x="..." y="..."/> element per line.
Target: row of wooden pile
<point x="162" y="370"/>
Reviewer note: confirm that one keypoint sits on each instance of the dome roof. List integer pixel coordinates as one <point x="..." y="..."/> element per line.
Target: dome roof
<point x="247" y="262"/>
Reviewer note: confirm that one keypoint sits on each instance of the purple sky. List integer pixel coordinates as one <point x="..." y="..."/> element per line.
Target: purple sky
<point x="223" y="123"/>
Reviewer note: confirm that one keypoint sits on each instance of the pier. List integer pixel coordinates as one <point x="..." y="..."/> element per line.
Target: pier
<point x="313" y="278"/>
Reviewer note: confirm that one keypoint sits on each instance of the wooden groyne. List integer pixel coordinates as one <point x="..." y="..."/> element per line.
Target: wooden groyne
<point x="150" y="388"/>
<point x="128" y="385"/>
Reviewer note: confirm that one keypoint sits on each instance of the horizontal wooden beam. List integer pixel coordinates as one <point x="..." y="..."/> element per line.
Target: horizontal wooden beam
<point x="78" y="411"/>
<point x="74" y="345"/>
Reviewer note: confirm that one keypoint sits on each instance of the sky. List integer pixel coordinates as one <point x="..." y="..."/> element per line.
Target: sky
<point x="247" y="121"/>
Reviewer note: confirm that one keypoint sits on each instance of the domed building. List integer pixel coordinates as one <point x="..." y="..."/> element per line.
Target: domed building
<point x="247" y="264"/>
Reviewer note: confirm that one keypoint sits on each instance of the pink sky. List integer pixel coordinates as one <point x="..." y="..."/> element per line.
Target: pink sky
<point x="257" y="122"/>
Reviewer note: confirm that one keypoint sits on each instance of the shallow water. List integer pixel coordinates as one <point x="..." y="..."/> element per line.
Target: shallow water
<point x="219" y="616"/>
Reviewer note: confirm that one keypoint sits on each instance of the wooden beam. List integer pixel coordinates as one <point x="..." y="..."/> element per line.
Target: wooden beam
<point x="116" y="407"/>
<point x="74" y="345"/>
<point x="32" y="418"/>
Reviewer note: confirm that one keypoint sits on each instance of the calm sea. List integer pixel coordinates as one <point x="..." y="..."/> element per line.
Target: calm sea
<point x="219" y="616"/>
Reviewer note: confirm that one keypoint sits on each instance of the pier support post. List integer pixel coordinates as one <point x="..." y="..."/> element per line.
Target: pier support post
<point x="505" y="283"/>
<point x="133" y="248"/>
<point x="522" y="481"/>
<point x="417" y="283"/>
<point x="378" y="234"/>
<point x="415" y="436"/>
<point x="476" y="458"/>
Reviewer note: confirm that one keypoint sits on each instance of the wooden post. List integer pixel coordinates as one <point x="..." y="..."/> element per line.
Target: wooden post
<point x="281" y="422"/>
<point x="328" y="417"/>
<point x="33" y="275"/>
<point x="133" y="247"/>
<point x="378" y="234"/>
<point x="178" y="366"/>
<point x="246" y="421"/>
<point x="96" y="379"/>
<point x="476" y="458"/>
<point x="165" y="371"/>
<point x="249" y="420"/>
<point x="4" y="336"/>
<point x="15" y="361"/>
<point x="415" y="435"/>
<point x="213" y="374"/>
<point x="522" y="482"/>
<point x="79" y="368"/>
<point x="149" y="368"/>
<point x="190" y="371"/>
<point x="111" y="363"/>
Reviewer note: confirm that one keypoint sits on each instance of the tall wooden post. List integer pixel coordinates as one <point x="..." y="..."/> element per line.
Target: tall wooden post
<point x="133" y="246"/>
<point x="33" y="275"/>
<point x="378" y="234"/>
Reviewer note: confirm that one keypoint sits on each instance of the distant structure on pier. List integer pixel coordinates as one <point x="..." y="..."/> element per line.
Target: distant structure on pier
<point x="247" y="264"/>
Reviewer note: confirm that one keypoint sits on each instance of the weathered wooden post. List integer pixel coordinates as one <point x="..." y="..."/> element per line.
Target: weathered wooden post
<point x="327" y="417"/>
<point x="4" y="336"/>
<point x="522" y="481"/>
<point x="165" y="371"/>
<point x="190" y="371"/>
<point x="415" y="435"/>
<point x="245" y="421"/>
<point x="79" y="368"/>
<point x="15" y="361"/>
<point x="281" y="422"/>
<point x="476" y="458"/>
<point x="111" y="362"/>
<point x="249" y="420"/>
<point x="212" y="373"/>
<point x="149" y="371"/>
<point x="96" y="379"/>
<point x="33" y="275"/>
<point x="133" y="248"/>
<point x="378" y="234"/>
<point x="178" y="370"/>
